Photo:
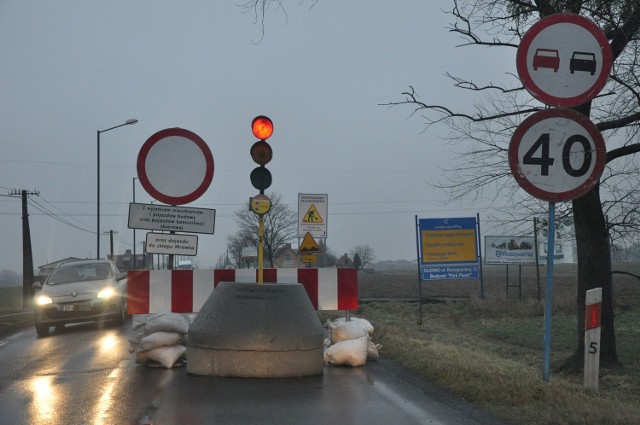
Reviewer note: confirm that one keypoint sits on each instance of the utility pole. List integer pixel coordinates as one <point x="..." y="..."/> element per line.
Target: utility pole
<point x="110" y="233"/>
<point x="27" y="253"/>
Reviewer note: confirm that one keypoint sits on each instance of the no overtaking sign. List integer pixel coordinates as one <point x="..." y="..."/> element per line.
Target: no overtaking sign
<point x="564" y="60"/>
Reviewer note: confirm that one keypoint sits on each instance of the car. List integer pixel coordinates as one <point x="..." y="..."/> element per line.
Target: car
<point x="81" y="291"/>
<point x="583" y="61"/>
<point x="546" y="58"/>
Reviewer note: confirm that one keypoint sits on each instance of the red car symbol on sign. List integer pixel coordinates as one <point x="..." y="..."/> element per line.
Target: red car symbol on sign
<point x="546" y="58"/>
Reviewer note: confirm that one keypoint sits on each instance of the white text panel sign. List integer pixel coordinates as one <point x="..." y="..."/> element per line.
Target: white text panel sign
<point x="171" y="218"/>
<point x="167" y="243"/>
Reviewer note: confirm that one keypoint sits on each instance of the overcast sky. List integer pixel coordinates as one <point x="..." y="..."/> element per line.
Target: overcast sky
<point x="71" y="68"/>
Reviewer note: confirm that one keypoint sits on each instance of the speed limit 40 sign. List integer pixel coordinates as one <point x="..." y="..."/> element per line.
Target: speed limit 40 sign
<point x="557" y="155"/>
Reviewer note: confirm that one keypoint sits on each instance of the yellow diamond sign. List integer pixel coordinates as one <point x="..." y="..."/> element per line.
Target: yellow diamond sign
<point x="308" y="245"/>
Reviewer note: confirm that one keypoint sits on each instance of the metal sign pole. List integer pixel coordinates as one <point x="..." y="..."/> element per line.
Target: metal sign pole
<point x="548" y="290"/>
<point x="419" y="276"/>
<point x="260" y="248"/>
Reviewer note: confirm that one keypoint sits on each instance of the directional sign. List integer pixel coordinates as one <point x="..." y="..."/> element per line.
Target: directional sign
<point x="564" y="60"/>
<point x="557" y="155"/>
<point x="175" y="166"/>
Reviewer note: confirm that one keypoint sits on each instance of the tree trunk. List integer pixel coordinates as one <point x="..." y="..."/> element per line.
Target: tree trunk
<point x="594" y="269"/>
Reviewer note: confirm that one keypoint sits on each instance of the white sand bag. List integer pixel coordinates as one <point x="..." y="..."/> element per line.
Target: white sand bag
<point x="159" y="339"/>
<point x="373" y="349"/>
<point x="139" y="320"/>
<point x="364" y="322"/>
<point x="166" y="356"/>
<point x="351" y="352"/>
<point x="167" y="322"/>
<point x="344" y="331"/>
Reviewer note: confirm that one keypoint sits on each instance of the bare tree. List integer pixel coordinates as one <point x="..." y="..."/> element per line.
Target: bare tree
<point x="236" y="242"/>
<point x="280" y="227"/>
<point x="486" y="131"/>
<point x="365" y="253"/>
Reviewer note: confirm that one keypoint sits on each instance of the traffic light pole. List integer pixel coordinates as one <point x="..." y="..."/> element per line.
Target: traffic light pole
<point x="260" y="249"/>
<point x="261" y="153"/>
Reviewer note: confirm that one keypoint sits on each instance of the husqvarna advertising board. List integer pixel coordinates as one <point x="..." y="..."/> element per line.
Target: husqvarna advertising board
<point x="509" y="250"/>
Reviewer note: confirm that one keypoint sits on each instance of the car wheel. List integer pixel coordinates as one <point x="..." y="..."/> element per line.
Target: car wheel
<point x="42" y="329"/>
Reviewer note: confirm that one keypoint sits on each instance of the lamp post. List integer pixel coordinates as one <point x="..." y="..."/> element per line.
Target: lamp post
<point x="135" y="260"/>
<point x="127" y="122"/>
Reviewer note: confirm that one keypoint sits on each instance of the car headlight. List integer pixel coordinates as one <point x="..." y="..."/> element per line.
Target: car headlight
<point x="43" y="300"/>
<point x="106" y="293"/>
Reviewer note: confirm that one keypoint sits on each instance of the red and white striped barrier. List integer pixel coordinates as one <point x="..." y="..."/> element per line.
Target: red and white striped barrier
<point x="185" y="291"/>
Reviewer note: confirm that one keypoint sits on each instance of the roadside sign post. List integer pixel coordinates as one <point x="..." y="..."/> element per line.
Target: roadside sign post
<point x="164" y="153"/>
<point x="555" y="155"/>
<point x="592" y="330"/>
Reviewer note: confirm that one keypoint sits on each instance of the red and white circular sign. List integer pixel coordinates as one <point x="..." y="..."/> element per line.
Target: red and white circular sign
<point x="175" y="166"/>
<point x="557" y="155"/>
<point x="564" y="60"/>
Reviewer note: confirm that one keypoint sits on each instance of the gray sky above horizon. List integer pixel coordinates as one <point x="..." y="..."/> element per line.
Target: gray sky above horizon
<point x="71" y="68"/>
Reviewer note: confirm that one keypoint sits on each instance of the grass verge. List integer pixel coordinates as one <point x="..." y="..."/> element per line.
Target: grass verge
<point x="491" y="354"/>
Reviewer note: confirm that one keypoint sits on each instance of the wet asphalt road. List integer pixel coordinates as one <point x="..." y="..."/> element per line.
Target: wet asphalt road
<point x="85" y="375"/>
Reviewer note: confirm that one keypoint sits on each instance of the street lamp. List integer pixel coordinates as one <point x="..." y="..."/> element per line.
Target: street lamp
<point x="127" y="122"/>
<point x="135" y="260"/>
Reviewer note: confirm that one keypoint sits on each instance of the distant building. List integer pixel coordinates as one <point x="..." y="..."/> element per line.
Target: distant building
<point x="565" y="247"/>
<point x="344" y="261"/>
<point x="46" y="269"/>
<point x="287" y="258"/>
<point x="126" y="261"/>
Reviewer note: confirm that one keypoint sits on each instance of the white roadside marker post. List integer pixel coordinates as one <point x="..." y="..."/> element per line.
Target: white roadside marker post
<point x="592" y="329"/>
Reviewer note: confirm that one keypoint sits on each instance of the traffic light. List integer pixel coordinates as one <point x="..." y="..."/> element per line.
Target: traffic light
<point x="261" y="152"/>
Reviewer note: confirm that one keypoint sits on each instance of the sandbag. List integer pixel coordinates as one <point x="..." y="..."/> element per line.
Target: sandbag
<point x="166" y="356"/>
<point x="372" y="351"/>
<point x="167" y="322"/>
<point x="351" y="352"/>
<point x="341" y="330"/>
<point x="159" y="339"/>
<point x="364" y="322"/>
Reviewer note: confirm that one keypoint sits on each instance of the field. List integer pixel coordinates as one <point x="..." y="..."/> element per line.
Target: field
<point x="491" y="352"/>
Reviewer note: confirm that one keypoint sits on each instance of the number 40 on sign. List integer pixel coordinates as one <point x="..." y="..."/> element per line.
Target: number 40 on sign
<point x="557" y="155"/>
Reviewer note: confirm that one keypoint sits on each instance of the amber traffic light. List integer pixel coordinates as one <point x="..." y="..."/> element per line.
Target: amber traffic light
<point x="262" y="127"/>
<point x="261" y="152"/>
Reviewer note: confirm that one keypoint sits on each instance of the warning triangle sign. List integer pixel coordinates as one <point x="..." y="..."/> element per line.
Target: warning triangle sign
<point x="312" y="215"/>
<point x="308" y="245"/>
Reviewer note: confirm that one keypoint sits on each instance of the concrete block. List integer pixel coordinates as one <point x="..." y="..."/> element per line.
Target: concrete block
<point x="252" y="330"/>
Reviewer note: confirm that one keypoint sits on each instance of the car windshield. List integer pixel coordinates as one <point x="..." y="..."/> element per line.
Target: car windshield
<point x="583" y="56"/>
<point x="78" y="273"/>
<point x="547" y="53"/>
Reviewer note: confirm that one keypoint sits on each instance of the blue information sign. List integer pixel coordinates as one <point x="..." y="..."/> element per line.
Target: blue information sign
<point x="449" y="249"/>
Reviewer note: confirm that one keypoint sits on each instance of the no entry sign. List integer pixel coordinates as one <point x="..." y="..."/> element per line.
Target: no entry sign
<point x="557" y="155"/>
<point x="564" y="60"/>
<point x="175" y="166"/>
